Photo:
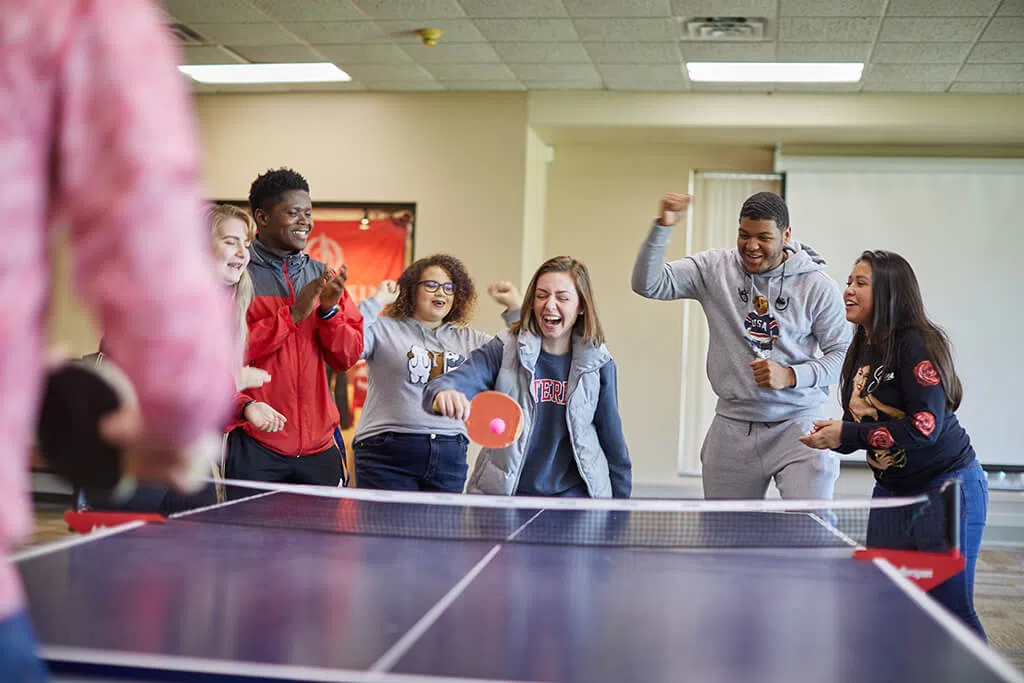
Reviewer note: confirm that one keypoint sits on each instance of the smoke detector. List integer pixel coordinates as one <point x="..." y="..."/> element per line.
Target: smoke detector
<point x="723" y="28"/>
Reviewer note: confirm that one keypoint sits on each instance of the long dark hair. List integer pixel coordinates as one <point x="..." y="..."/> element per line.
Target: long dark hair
<point x="896" y="307"/>
<point x="587" y="326"/>
<point x="465" y="292"/>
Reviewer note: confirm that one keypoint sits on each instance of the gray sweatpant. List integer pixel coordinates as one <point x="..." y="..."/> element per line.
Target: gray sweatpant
<point x="740" y="458"/>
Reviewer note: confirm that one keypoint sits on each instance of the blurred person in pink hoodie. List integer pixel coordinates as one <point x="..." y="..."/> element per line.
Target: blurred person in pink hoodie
<point x="96" y="134"/>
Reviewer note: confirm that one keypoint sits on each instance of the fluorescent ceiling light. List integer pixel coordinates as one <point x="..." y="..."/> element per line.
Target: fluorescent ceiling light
<point x="775" y="72"/>
<point x="320" y="72"/>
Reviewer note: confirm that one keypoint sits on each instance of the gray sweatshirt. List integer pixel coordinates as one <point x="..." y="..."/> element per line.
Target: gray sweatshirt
<point x="402" y="355"/>
<point x="793" y="315"/>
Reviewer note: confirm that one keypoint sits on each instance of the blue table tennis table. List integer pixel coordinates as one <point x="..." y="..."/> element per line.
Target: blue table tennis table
<point x="287" y="587"/>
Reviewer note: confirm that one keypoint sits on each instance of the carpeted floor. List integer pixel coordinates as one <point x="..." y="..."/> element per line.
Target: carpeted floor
<point x="998" y="591"/>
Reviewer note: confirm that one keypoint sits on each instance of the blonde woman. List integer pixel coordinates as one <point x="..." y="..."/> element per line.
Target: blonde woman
<point x="232" y="231"/>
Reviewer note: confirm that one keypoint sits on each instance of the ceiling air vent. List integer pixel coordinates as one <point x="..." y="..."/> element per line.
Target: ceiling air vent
<point x="185" y="35"/>
<point x="723" y="28"/>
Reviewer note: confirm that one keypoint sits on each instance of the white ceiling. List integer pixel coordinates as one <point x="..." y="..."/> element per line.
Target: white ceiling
<point x="909" y="46"/>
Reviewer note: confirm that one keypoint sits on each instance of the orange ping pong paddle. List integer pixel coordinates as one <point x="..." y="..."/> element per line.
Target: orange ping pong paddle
<point x="495" y="419"/>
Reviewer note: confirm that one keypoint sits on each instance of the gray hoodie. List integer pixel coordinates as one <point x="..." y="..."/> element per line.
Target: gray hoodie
<point x="402" y="355"/>
<point x="798" y="321"/>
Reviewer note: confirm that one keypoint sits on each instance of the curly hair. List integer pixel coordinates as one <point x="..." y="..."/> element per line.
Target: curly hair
<point x="465" y="291"/>
<point x="267" y="189"/>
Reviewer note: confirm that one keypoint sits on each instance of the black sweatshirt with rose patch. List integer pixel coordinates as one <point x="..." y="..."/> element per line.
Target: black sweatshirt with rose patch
<point x="899" y="416"/>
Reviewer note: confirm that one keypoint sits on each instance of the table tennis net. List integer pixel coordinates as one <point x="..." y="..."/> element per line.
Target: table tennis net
<point x="924" y="522"/>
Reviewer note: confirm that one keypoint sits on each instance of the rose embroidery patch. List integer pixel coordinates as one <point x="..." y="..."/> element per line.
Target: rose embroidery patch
<point x="926" y="374"/>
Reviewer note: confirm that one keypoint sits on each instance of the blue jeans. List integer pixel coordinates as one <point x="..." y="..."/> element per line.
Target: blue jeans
<point x="18" y="659"/>
<point x="411" y="462"/>
<point x="924" y="529"/>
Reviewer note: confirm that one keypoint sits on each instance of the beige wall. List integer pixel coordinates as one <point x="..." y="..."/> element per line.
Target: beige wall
<point x="476" y="167"/>
<point x="601" y="200"/>
<point x="460" y="158"/>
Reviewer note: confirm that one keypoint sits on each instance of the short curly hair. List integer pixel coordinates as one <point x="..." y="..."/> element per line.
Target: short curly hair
<point x="465" y="291"/>
<point x="267" y="189"/>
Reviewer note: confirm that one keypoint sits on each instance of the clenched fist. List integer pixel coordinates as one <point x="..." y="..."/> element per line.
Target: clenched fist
<point x="672" y="207"/>
<point x="506" y="294"/>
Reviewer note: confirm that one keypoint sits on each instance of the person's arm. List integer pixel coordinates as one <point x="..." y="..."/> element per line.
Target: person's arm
<point x="267" y="332"/>
<point x="653" y="278"/>
<point x="924" y="404"/>
<point x="341" y="335"/>
<point x="125" y="172"/>
<point x="477" y="374"/>
<point x="609" y="434"/>
<point x="833" y="333"/>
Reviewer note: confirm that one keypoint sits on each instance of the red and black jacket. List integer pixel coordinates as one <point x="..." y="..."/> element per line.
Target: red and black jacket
<point x="296" y="356"/>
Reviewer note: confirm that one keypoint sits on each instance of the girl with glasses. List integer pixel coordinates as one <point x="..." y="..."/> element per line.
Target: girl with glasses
<point x="554" y="363"/>
<point x="415" y="330"/>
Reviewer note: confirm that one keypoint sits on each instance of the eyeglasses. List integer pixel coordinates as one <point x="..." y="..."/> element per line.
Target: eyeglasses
<point x="433" y="285"/>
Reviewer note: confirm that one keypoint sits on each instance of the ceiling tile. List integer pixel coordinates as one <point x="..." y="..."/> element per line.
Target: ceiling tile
<point x="209" y="55"/>
<point x="411" y="9"/>
<point x="554" y="72"/>
<point x="542" y="53"/>
<point x="652" y="29"/>
<point x="920" y="53"/>
<point x="221" y="12"/>
<point x="309" y="10"/>
<point x="836" y="8"/>
<point x="941" y="8"/>
<point x="904" y="86"/>
<point x="455" y="30"/>
<point x="527" y="30"/>
<point x="596" y="84"/>
<point x="910" y="72"/>
<point x="470" y="72"/>
<point x="649" y="86"/>
<point x="246" y="34"/>
<point x="629" y="77"/>
<point x="991" y="72"/>
<point x="817" y="30"/>
<point x="817" y="87"/>
<point x="958" y="30"/>
<point x="403" y="86"/>
<point x="997" y="53"/>
<point x="822" y="52"/>
<point x="368" y="53"/>
<point x="1011" y="8"/>
<point x="1004" y="29"/>
<point x="482" y="85"/>
<point x="724" y="8"/>
<point x="634" y="53"/>
<point x="995" y="88"/>
<point x="369" y="73"/>
<point x="524" y="9"/>
<point x="278" y="54"/>
<point x="336" y="33"/>
<point x="728" y="52"/>
<point x="453" y="53"/>
<point x="617" y="8"/>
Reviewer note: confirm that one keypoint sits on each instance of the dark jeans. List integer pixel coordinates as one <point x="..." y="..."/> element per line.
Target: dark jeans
<point x="18" y="659"/>
<point x="411" y="462"/>
<point x="248" y="459"/>
<point x="924" y="529"/>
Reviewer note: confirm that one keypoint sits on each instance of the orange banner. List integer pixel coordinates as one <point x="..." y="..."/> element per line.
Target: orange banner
<point x="373" y="252"/>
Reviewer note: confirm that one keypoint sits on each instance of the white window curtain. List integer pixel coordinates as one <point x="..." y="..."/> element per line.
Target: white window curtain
<point x="711" y="223"/>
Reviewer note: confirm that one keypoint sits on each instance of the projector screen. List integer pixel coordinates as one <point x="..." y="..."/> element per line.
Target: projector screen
<point x="960" y="223"/>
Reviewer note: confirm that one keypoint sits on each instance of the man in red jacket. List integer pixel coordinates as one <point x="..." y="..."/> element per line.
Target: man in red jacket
<point x="300" y="321"/>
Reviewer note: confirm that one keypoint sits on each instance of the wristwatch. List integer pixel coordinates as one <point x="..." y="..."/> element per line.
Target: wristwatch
<point x="329" y="314"/>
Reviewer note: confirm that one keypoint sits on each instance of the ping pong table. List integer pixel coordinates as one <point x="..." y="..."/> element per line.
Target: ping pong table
<point x="281" y="586"/>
